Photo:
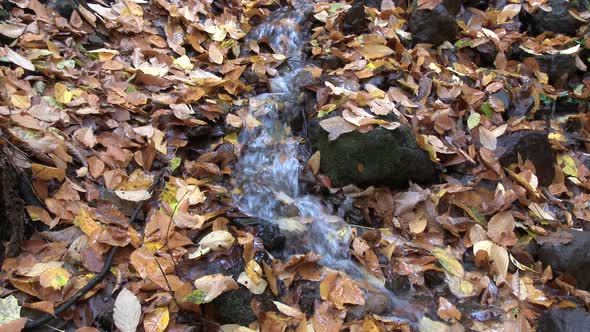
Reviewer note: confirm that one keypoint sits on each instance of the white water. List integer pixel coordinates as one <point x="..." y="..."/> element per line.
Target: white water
<point x="267" y="173"/>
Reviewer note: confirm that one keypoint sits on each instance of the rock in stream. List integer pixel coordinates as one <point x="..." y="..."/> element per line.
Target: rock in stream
<point x="564" y="320"/>
<point x="379" y="157"/>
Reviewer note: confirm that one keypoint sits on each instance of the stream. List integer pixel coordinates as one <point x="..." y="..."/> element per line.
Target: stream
<point x="272" y="159"/>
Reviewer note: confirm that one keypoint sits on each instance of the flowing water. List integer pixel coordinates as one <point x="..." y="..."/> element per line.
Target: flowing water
<point x="267" y="178"/>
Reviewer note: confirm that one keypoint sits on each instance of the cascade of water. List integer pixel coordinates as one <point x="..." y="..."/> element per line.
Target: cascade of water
<point x="267" y="174"/>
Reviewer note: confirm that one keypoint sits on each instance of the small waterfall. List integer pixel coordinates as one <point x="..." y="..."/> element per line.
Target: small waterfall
<point x="267" y="173"/>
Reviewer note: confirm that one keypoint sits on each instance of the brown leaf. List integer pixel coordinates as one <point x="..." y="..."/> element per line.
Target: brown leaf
<point x="447" y="311"/>
<point x="336" y="126"/>
<point x="501" y="229"/>
<point x="428" y="4"/>
<point x="215" y="54"/>
<point x="374" y="51"/>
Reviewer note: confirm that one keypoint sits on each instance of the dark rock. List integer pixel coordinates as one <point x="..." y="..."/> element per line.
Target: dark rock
<point x="355" y="20"/>
<point x="558" y="20"/>
<point x="572" y="258"/>
<point x="375" y="303"/>
<point x="234" y="307"/>
<point x="452" y="6"/>
<point x="308" y="292"/>
<point x="268" y="231"/>
<point x="63" y="7"/>
<point x="564" y="320"/>
<point x="532" y="145"/>
<point x="523" y="103"/>
<point x="556" y="66"/>
<point x="479" y="4"/>
<point x="5" y="8"/>
<point x="95" y="41"/>
<point x="379" y="157"/>
<point x="331" y="62"/>
<point x="503" y="96"/>
<point x="433" y="26"/>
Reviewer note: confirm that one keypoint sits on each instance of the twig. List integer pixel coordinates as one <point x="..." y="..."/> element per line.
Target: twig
<point x="98" y="277"/>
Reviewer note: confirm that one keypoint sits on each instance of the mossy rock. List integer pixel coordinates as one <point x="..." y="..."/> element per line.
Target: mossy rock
<point x="379" y="157"/>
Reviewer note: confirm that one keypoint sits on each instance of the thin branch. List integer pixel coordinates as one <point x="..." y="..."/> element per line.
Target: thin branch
<point x="99" y="276"/>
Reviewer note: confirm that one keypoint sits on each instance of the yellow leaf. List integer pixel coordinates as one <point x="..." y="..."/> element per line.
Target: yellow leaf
<point x="20" y="102"/>
<point x="157" y="321"/>
<point x="184" y="62"/>
<point x="104" y="54"/>
<point x="46" y="173"/>
<point x="62" y="94"/>
<point x="449" y="262"/>
<point x="567" y="164"/>
<point x="55" y="278"/>
<point x="374" y="51"/>
<point x="86" y="223"/>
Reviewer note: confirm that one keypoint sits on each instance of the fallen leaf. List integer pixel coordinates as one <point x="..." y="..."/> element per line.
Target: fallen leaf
<point x="501" y="229"/>
<point x="157" y="320"/>
<point x="215" y="285"/>
<point x="127" y="311"/>
<point x="449" y="262"/>
<point x="55" y="278"/>
<point x="336" y="126"/>
<point x="428" y="4"/>
<point x="9" y="309"/>
<point x="18" y="59"/>
<point x="288" y="310"/>
<point x="374" y="51"/>
<point x="133" y="195"/>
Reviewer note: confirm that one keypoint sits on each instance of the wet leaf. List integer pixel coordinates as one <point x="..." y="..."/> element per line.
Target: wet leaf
<point x="127" y="311"/>
<point x="55" y="278"/>
<point x="157" y="321"/>
<point x="449" y="262"/>
<point x="447" y="311"/>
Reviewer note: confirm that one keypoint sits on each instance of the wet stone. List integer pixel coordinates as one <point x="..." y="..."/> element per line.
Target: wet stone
<point x="433" y="26"/>
<point x="572" y="258"/>
<point x="556" y="66"/>
<point x="63" y="7"/>
<point x="234" y="307"/>
<point x="532" y="145"/>
<point x="268" y="232"/>
<point x="564" y="320"/>
<point x="379" y="157"/>
<point x="558" y="20"/>
<point x="354" y="19"/>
